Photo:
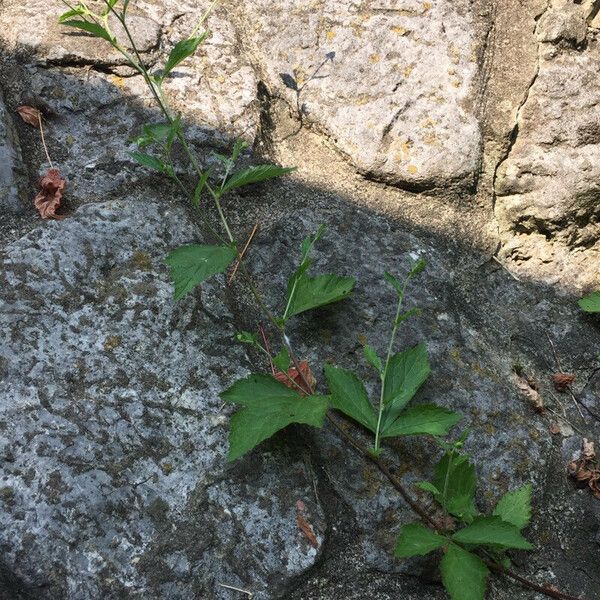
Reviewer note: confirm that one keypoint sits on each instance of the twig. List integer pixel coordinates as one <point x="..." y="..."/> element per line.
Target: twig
<point x="43" y="140"/>
<point x="236" y="589"/>
<point x="241" y="255"/>
<point x="495" y="258"/>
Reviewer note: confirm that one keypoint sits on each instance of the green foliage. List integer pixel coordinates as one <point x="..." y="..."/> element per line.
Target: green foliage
<point x="268" y="407"/>
<point x="90" y="27"/>
<point x="591" y="302"/>
<point x="373" y="359"/>
<point x="455" y="477"/>
<point x="406" y="373"/>
<point x="282" y="360"/>
<point x="191" y="265"/>
<point x="492" y="531"/>
<point x="254" y="175"/>
<point x="425" y="419"/>
<point x="152" y="162"/>
<point x="515" y="507"/>
<point x="305" y="292"/>
<point x="464" y="574"/>
<point x="417" y="540"/>
<point x="182" y="50"/>
<point x="349" y="396"/>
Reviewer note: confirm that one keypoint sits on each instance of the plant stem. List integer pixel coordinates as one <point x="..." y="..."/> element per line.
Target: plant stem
<point x="43" y="140"/>
<point x="376" y="447"/>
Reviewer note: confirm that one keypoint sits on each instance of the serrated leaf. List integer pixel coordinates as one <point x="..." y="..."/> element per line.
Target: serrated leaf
<point x="313" y="292"/>
<point x="181" y="51"/>
<point x="515" y="507"/>
<point x="372" y="358"/>
<point x="93" y="28"/>
<point x="417" y="540"/>
<point x="349" y="396"/>
<point x="309" y="241"/>
<point x="456" y="479"/>
<point x="591" y="302"/>
<point x="191" y="265"/>
<point x="395" y="283"/>
<point x="237" y="149"/>
<point x="425" y="419"/>
<point x="254" y="175"/>
<point x="464" y="574"/>
<point x="282" y="361"/>
<point x="492" y="531"/>
<point x="268" y="406"/>
<point x="406" y="373"/>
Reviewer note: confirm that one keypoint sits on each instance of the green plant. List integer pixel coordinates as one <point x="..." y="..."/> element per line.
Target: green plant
<point x="590" y="303"/>
<point x="269" y="403"/>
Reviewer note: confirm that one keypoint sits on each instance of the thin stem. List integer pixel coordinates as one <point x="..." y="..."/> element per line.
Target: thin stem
<point x="43" y="140"/>
<point x="388" y="357"/>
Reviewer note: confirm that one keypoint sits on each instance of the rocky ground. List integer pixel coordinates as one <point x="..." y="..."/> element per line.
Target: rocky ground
<point x="465" y="132"/>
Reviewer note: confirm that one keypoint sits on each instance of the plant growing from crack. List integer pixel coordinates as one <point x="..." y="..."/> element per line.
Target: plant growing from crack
<point x="269" y="403"/>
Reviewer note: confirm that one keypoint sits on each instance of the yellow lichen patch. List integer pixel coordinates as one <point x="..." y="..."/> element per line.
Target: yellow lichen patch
<point x="428" y="123"/>
<point x="362" y="100"/>
<point x="330" y="35"/>
<point x="457" y="83"/>
<point x="431" y="139"/>
<point x="112" y="342"/>
<point x="70" y="140"/>
<point x="362" y="339"/>
<point x="166" y="468"/>
<point x="374" y="58"/>
<point x="412" y="169"/>
<point x="427" y="6"/>
<point x="221" y="79"/>
<point x="117" y="81"/>
<point x="455" y="355"/>
<point x="141" y="261"/>
<point x="408" y="70"/>
<point x="454" y="54"/>
<point x="399" y="30"/>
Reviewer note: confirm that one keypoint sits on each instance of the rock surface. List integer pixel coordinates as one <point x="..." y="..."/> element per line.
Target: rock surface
<point x="483" y="118"/>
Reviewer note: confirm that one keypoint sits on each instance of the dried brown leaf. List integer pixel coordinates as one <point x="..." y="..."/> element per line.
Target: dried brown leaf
<point x="562" y="381"/>
<point x="299" y="378"/>
<point x="528" y="387"/>
<point x="554" y="428"/>
<point x="49" y="197"/>
<point x="31" y="116"/>
<point x="304" y="526"/>
<point x="586" y="470"/>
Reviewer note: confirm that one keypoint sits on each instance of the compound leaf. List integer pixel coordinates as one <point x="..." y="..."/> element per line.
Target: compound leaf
<point x="191" y="265"/>
<point x="417" y="540"/>
<point x="349" y="396"/>
<point x="268" y="406"/>
<point x="464" y="574"/>
<point x="406" y="373"/>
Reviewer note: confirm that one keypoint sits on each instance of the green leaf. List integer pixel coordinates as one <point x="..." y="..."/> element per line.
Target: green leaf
<point x="372" y="358"/>
<point x="268" y="406"/>
<point x="492" y="531"/>
<point x="93" y="28"/>
<point x="515" y="507"/>
<point x="591" y="302"/>
<point x="425" y="419"/>
<point x="237" y="149"/>
<point x="349" y="396"/>
<point x="181" y="51"/>
<point x="191" y="265"/>
<point x="309" y="241"/>
<point x="406" y="373"/>
<point x="417" y="540"/>
<point x="147" y="160"/>
<point x="395" y="283"/>
<point x="245" y="337"/>
<point x="282" y="361"/>
<point x="76" y="11"/>
<point x="312" y="292"/>
<point x="254" y="175"/>
<point x="464" y="574"/>
<point x="428" y="487"/>
<point x="201" y="184"/>
<point x="109" y="6"/>
<point x="455" y="477"/>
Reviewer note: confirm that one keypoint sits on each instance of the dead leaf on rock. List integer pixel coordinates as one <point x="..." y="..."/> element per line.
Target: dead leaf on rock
<point x="529" y="388"/>
<point x="49" y="197"/>
<point x="31" y="116"/>
<point x="300" y="378"/>
<point x="586" y="469"/>
<point x="562" y="381"/>
<point x="554" y="428"/>
<point x="304" y="526"/>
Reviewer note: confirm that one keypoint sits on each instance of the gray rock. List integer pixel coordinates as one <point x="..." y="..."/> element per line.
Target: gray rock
<point x="114" y="475"/>
<point x="11" y="175"/>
